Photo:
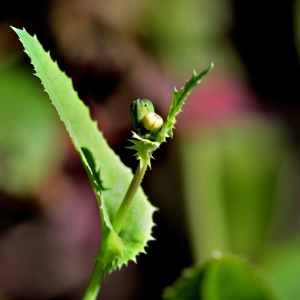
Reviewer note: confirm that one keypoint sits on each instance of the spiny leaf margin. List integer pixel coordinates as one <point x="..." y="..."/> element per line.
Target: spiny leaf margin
<point x="179" y="98"/>
<point x="84" y="133"/>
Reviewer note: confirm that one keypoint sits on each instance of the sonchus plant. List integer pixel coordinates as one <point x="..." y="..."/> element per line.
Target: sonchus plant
<point x="125" y="213"/>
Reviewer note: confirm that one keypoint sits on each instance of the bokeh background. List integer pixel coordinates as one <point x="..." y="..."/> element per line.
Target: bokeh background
<point x="228" y="182"/>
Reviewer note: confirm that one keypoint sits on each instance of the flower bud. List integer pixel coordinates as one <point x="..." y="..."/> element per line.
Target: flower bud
<point x="152" y="121"/>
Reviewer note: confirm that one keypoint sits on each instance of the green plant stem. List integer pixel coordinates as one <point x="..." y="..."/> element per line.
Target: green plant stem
<point x="98" y="273"/>
<point x="129" y="196"/>
<point x="96" y="278"/>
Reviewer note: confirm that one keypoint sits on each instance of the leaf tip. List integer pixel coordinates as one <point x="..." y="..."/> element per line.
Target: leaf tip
<point x="16" y="30"/>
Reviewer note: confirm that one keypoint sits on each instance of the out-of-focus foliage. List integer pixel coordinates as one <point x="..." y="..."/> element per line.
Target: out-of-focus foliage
<point x="185" y="42"/>
<point x="231" y="177"/>
<point x="281" y="268"/>
<point x="29" y="145"/>
<point x="224" y="278"/>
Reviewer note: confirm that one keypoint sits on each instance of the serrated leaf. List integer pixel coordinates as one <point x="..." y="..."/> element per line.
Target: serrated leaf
<point x="220" y="278"/>
<point x="178" y="100"/>
<point x="96" y="156"/>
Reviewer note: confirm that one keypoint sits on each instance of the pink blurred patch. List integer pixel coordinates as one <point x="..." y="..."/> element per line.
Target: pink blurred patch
<point x="220" y="97"/>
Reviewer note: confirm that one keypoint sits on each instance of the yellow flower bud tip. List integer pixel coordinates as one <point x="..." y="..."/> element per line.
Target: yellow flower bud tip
<point x="152" y="121"/>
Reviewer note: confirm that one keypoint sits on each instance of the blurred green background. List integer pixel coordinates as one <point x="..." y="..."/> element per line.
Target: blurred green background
<point x="228" y="182"/>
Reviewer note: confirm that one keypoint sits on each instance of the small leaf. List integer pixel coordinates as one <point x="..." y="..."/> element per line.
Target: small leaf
<point x="96" y="155"/>
<point x="92" y="171"/>
<point x="220" y="278"/>
<point x="178" y="100"/>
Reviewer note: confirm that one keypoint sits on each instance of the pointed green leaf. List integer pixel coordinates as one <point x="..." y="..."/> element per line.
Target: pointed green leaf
<point x="98" y="159"/>
<point x="178" y="100"/>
